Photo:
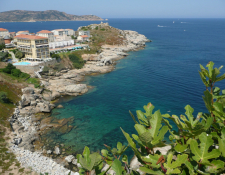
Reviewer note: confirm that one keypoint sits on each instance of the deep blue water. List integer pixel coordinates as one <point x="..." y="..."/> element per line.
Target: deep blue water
<point x="164" y="73"/>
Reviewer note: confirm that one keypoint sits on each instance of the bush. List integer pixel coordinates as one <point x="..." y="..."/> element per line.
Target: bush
<point x="14" y="50"/>
<point x="3" y="55"/>
<point x="2" y="46"/>
<point x="197" y="143"/>
<point x="34" y="81"/>
<point x="8" y="69"/>
<point x="3" y="97"/>
<point x="78" y="62"/>
<point x="16" y="72"/>
<point x="58" y="67"/>
<point x="24" y="75"/>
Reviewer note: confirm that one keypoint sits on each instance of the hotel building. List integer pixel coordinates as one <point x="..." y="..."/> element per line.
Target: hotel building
<point x="33" y="46"/>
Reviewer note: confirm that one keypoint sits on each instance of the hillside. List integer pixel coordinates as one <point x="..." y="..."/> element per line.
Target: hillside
<point x="49" y="15"/>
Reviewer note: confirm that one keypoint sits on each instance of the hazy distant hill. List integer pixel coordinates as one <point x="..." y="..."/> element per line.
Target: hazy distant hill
<point x="48" y="15"/>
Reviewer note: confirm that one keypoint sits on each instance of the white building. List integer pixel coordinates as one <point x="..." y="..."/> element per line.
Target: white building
<point x="61" y="41"/>
<point x="48" y="34"/>
<point x="80" y="33"/>
<point x="71" y="32"/>
<point x="4" y="32"/>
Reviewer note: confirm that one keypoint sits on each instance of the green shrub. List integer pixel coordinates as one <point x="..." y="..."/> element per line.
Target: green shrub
<point x="58" y="67"/>
<point x="102" y="29"/>
<point x="78" y="62"/>
<point x="197" y="146"/>
<point x="13" y="50"/>
<point x="2" y="46"/>
<point x="16" y="72"/>
<point x="3" y="97"/>
<point x="3" y="55"/>
<point x="24" y="75"/>
<point x="34" y="81"/>
<point x="8" y="69"/>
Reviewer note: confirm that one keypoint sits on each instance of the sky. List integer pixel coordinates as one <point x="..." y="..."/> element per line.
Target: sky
<point x="124" y="8"/>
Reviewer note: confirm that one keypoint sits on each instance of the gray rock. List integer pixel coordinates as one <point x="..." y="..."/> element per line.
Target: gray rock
<point x="49" y="152"/>
<point x="74" y="161"/>
<point x="55" y="95"/>
<point x="28" y="90"/>
<point x="69" y="158"/>
<point x="33" y="103"/>
<point x="57" y="150"/>
<point x="60" y="106"/>
<point x="42" y="107"/>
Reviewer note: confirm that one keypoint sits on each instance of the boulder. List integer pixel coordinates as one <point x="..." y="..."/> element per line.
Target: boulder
<point x="49" y="152"/>
<point x="42" y="107"/>
<point x="57" y="150"/>
<point x="60" y="106"/>
<point x="55" y="95"/>
<point x="69" y="158"/>
<point x="28" y="90"/>
<point x="76" y="88"/>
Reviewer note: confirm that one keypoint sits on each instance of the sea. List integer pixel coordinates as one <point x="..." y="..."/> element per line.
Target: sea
<point x="165" y="73"/>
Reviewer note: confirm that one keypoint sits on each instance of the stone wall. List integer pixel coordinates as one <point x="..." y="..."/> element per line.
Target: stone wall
<point x="30" y="69"/>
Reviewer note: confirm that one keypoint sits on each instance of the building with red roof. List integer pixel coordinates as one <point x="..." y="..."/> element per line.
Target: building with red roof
<point x="46" y="33"/>
<point x="4" y="32"/>
<point x="33" y="46"/>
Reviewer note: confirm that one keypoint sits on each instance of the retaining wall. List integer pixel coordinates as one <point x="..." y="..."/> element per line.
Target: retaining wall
<point x="30" y="69"/>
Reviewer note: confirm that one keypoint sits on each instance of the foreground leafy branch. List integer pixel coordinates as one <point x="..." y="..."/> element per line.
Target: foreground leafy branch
<point x="197" y="143"/>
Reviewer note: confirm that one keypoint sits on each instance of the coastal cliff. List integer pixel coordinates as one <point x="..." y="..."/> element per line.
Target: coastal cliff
<point x="29" y="127"/>
<point x="48" y="15"/>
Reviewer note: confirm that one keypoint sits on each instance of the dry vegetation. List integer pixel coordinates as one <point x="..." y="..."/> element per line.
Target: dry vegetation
<point x="8" y="163"/>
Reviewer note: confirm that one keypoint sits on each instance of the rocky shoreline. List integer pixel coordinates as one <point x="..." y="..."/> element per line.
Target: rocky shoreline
<point x="27" y="127"/>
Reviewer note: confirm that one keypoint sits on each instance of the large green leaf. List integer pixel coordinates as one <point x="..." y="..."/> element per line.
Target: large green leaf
<point x="180" y="148"/>
<point x="155" y="123"/>
<point x="153" y="159"/>
<point x="117" y="167"/>
<point x="160" y="135"/>
<point x="173" y="166"/>
<point x="131" y="143"/>
<point x="208" y="100"/>
<point x="201" y="154"/>
<point x="141" y="117"/>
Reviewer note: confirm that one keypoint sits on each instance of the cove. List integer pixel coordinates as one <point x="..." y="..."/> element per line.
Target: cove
<point x="164" y="73"/>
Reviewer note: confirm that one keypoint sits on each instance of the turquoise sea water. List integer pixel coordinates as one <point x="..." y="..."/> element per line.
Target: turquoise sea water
<point x="164" y="73"/>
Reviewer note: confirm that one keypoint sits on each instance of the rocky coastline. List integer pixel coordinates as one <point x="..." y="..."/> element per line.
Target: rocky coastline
<point x="28" y="126"/>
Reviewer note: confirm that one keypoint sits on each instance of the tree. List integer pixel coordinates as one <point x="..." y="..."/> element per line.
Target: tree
<point x="2" y="46"/>
<point x="3" y="97"/>
<point x="19" y="55"/>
